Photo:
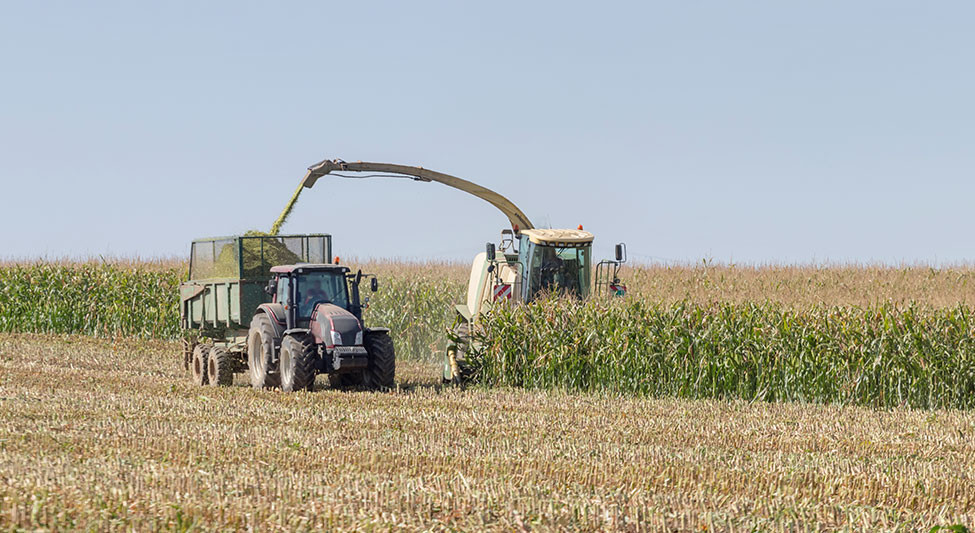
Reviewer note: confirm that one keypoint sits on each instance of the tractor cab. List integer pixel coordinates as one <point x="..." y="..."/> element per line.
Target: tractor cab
<point x="314" y="325"/>
<point x="300" y="288"/>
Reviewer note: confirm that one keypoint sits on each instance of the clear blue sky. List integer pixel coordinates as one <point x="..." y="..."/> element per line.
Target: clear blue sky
<point x="753" y="132"/>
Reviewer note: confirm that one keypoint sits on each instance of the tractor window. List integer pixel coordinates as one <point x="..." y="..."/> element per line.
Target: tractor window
<point x="562" y="269"/>
<point x="321" y="286"/>
<point x="284" y="285"/>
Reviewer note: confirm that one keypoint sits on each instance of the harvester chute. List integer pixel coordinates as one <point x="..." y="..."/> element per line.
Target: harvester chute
<point x="519" y="220"/>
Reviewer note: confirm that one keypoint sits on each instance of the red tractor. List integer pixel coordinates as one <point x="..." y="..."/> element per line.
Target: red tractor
<point x="313" y="325"/>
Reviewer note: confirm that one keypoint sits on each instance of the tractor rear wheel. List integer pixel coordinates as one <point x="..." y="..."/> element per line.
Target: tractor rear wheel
<point x="381" y="372"/>
<point x="457" y="370"/>
<point x="198" y="366"/>
<point x="220" y="367"/>
<point x="260" y="353"/>
<point x="298" y="354"/>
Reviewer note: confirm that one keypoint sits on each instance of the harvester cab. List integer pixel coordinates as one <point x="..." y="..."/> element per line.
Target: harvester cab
<point x="529" y="263"/>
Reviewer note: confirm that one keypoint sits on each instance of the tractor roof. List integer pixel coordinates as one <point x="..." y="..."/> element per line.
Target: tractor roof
<point x="287" y="269"/>
<point x="554" y="237"/>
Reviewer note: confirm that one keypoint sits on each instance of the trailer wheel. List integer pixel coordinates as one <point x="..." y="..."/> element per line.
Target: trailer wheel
<point x="297" y="364"/>
<point x="220" y="367"/>
<point x="260" y="353"/>
<point x="381" y="372"/>
<point x="199" y="364"/>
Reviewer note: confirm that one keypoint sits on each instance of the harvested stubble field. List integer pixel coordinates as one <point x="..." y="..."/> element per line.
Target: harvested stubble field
<point x="108" y="435"/>
<point x="104" y="434"/>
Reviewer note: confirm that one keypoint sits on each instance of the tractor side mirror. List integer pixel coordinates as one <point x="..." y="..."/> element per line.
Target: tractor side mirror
<point x="489" y="250"/>
<point x="272" y="287"/>
<point x="358" y="276"/>
<point x="374" y="285"/>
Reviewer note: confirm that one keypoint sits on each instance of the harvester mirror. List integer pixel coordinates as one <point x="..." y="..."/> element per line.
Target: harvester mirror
<point x="489" y="250"/>
<point x="272" y="287"/>
<point x="619" y="252"/>
<point x="374" y="285"/>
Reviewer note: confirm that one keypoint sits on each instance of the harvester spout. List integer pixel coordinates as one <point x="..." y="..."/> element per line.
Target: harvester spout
<point x="517" y="219"/>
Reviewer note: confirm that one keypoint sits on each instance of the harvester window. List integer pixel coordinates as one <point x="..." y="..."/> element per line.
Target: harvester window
<point x="562" y="269"/>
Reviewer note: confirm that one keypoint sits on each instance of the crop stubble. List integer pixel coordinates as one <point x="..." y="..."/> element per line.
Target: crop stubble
<point x="108" y="436"/>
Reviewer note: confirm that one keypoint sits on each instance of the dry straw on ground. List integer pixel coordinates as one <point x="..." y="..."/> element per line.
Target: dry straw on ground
<point x="103" y="436"/>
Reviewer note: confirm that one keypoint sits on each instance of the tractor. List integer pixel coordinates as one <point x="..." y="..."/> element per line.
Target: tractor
<point x="529" y="262"/>
<point x="283" y="324"/>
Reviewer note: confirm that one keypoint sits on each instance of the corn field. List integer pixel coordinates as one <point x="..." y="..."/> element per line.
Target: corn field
<point x="92" y="298"/>
<point x="880" y="356"/>
<point x="142" y="300"/>
<point x="769" y="334"/>
<point x="605" y="415"/>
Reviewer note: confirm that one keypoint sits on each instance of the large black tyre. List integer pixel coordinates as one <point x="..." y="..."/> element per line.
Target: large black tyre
<point x="198" y="366"/>
<point x="381" y="372"/>
<point x="260" y="353"/>
<point x="220" y="367"/>
<point x="298" y="354"/>
<point x="456" y="364"/>
<point x="349" y="379"/>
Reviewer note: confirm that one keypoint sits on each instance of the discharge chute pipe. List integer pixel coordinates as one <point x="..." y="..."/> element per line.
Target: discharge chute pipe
<point x="518" y="220"/>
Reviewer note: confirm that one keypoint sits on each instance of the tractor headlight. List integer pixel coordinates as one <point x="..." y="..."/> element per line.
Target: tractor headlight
<point x="358" y="338"/>
<point x="336" y="338"/>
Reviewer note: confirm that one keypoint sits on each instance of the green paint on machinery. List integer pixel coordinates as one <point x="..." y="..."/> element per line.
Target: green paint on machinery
<point x="228" y="275"/>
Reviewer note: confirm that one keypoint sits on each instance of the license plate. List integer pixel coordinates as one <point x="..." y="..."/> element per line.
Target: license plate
<point x="350" y="350"/>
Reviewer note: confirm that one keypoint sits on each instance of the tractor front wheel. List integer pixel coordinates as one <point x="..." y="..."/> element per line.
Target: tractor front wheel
<point x="297" y="364"/>
<point x="381" y="372"/>
<point x="260" y="353"/>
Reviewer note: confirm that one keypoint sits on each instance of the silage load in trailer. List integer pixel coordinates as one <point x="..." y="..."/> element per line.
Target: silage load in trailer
<point x="251" y="256"/>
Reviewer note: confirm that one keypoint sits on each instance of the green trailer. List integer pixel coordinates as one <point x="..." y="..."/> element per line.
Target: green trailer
<point x="228" y="279"/>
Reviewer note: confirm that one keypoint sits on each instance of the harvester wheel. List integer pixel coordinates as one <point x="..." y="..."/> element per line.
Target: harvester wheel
<point x="199" y="364"/>
<point x="220" y="367"/>
<point x="381" y="372"/>
<point x="260" y="352"/>
<point x="297" y="364"/>
<point x="457" y="370"/>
